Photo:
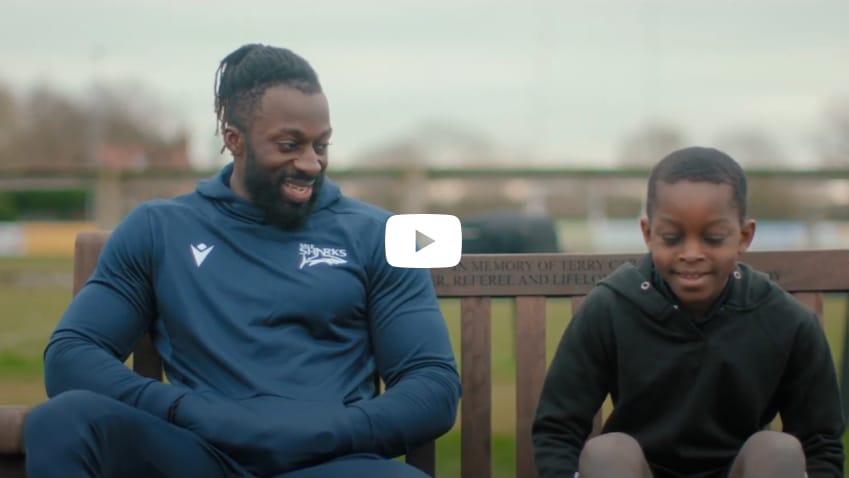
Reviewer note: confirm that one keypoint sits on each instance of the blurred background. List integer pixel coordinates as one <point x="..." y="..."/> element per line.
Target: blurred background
<point x="542" y="113"/>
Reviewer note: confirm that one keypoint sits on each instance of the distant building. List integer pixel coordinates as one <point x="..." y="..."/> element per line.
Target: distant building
<point x="135" y="156"/>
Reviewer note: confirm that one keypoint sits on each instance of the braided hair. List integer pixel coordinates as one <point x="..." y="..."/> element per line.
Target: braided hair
<point x="243" y="76"/>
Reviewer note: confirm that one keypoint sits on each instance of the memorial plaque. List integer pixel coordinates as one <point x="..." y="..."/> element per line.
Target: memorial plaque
<point x="570" y="274"/>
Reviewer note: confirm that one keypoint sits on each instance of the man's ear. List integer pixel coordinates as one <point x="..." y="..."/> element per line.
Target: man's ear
<point x="234" y="140"/>
<point x="645" y="226"/>
<point x="747" y="234"/>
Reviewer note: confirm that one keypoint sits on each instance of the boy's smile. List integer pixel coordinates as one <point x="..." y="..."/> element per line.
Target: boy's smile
<point x="695" y="237"/>
<point x="691" y="280"/>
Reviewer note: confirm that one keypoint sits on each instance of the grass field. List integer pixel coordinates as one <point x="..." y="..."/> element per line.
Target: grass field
<point x="34" y="292"/>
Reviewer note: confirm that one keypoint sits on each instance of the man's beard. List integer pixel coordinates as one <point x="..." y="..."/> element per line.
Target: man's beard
<point x="265" y="190"/>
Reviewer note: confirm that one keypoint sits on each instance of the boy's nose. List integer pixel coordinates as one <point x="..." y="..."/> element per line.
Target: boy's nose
<point x="691" y="250"/>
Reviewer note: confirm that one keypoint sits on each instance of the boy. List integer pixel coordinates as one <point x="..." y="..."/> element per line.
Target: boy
<point x="698" y="352"/>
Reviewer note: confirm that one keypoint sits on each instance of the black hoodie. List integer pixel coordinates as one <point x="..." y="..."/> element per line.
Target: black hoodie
<point x="690" y="391"/>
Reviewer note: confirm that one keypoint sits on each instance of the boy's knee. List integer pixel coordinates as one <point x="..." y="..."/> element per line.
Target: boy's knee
<point x="776" y="444"/>
<point x="611" y="446"/>
<point x="770" y="453"/>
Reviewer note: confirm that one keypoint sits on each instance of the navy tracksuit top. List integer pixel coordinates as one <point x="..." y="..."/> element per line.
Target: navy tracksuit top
<point x="272" y="340"/>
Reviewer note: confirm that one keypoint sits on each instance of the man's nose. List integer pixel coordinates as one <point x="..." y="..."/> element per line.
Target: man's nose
<point x="308" y="163"/>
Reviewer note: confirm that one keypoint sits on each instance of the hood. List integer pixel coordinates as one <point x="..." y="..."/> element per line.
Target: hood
<point x="746" y="290"/>
<point x="217" y="189"/>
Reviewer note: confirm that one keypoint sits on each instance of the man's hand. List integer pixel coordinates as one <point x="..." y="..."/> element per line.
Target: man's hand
<point x="268" y="435"/>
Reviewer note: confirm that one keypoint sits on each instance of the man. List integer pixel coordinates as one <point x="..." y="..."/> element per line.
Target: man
<point x="272" y="306"/>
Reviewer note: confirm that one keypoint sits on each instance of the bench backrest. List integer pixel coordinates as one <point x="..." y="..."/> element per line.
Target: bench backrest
<point x="530" y="279"/>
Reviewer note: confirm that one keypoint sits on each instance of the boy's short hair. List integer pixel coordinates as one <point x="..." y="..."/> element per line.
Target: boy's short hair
<point x="698" y="163"/>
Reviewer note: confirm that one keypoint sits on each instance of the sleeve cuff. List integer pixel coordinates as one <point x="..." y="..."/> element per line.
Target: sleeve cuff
<point x="360" y="429"/>
<point x="158" y="398"/>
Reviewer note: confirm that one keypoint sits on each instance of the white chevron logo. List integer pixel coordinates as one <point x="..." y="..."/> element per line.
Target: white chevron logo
<point x="200" y="252"/>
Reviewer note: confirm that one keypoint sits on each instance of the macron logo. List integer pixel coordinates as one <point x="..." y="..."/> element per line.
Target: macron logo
<point x="200" y="251"/>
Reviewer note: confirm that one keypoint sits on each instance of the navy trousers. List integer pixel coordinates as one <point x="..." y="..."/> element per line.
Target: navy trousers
<point x="83" y="434"/>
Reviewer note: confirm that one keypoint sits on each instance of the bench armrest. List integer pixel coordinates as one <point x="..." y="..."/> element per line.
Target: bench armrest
<point x="12" y="428"/>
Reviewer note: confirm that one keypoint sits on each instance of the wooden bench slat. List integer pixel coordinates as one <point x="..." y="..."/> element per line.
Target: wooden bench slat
<point x="146" y="360"/>
<point x="87" y="247"/>
<point x="476" y="376"/>
<point x="530" y="375"/>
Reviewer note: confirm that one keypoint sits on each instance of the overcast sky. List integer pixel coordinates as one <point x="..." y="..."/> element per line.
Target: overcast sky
<point x="546" y="82"/>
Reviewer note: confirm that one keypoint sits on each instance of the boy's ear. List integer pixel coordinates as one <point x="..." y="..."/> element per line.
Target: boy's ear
<point x="645" y="226"/>
<point x="747" y="234"/>
<point x="234" y="141"/>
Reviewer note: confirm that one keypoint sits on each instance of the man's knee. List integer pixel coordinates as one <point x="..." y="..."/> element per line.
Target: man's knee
<point x="380" y="468"/>
<point x="359" y="465"/>
<point x="402" y="470"/>
<point x="58" y="408"/>
<point x="69" y="411"/>
<point x="57" y="433"/>
<point x="608" y="447"/>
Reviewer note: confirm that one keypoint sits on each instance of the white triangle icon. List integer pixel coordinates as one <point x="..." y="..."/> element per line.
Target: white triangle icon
<point x="200" y="252"/>
<point x="423" y="240"/>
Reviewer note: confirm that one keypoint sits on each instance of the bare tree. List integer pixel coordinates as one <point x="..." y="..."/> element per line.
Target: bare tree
<point x="50" y="132"/>
<point x="8" y="124"/>
<point x="650" y="143"/>
<point x="769" y="197"/>
<point x="833" y="141"/>
<point x="752" y="147"/>
<point x="113" y="126"/>
<point x="433" y="142"/>
<point x="126" y="113"/>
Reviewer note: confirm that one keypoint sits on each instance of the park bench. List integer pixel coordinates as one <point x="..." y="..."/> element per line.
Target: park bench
<point x="530" y="279"/>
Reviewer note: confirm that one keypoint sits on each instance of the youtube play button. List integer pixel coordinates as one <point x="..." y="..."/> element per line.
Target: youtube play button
<point x="423" y="241"/>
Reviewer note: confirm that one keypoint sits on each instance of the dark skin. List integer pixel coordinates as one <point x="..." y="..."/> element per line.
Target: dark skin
<point x="288" y="132"/>
<point x="695" y="235"/>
